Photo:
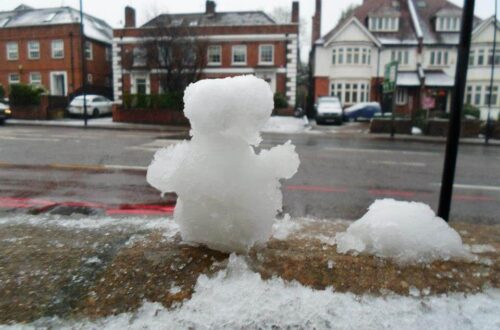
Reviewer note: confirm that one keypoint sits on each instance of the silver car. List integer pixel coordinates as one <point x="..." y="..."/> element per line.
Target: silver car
<point x="96" y="105"/>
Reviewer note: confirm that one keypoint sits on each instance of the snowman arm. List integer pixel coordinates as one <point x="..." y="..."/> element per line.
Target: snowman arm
<point x="165" y="166"/>
<point x="282" y="160"/>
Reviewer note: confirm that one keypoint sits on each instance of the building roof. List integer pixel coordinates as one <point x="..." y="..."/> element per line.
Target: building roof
<point x="408" y="78"/>
<point x="428" y="10"/>
<point x="417" y="20"/>
<point x="438" y="79"/>
<point x="24" y="16"/>
<point x="216" y="19"/>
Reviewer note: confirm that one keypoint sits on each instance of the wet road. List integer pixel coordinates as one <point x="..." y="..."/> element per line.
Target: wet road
<point x="341" y="172"/>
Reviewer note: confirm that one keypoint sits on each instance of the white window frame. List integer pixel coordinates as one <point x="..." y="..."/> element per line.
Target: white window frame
<point x="11" y="81"/>
<point x="439" y="57"/>
<point x="34" y="82"/>
<point x="401" y="55"/>
<point x="133" y="79"/>
<point x="448" y="24"/>
<point x="54" y="49"/>
<point x="140" y="56"/>
<point x="401" y="96"/>
<point x="31" y="50"/>
<point x="272" y="54"/>
<point x="90" y="78"/>
<point x="11" y="52"/>
<point x="210" y="51"/>
<point x="362" y="91"/>
<point x="235" y="48"/>
<point x="89" y="51"/>
<point x="383" y="24"/>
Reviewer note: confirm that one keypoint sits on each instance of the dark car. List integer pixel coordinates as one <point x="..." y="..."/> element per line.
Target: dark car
<point x="5" y="111"/>
<point x="362" y="111"/>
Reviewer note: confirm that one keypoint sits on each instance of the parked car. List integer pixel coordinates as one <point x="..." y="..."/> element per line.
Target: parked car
<point x="362" y="111"/>
<point x="96" y="105"/>
<point x="329" y="110"/>
<point x="5" y="111"/>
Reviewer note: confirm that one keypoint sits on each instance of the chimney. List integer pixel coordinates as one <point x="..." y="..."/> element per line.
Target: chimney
<point x="316" y="26"/>
<point x="210" y="7"/>
<point x="295" y="12"/>
<point x="129" y="17"/>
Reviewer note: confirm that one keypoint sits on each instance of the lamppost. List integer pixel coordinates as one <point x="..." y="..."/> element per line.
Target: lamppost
<point x="84" y="71"/>
<point x="488" y="119"/>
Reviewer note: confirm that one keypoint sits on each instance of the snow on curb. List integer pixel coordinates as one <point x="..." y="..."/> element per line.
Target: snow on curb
<point x="238" y="298"/>
<point x="278" y="124"/>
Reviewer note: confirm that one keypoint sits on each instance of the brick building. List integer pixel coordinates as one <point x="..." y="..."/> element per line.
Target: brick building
<point x="423" y="36"/>
<point x="237" y="43"/>
<point x="42" y="47"/>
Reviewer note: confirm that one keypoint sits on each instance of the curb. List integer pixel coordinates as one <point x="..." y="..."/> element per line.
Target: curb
<point x="431" y="139"/>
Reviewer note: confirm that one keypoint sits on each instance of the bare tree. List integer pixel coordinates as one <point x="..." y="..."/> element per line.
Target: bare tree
<point x="173" y="49"/>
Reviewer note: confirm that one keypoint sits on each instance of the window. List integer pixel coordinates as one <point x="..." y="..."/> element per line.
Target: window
<point x="140" y="56"/>
<point x="164" y="55"/>
<point x="57" y="49"/>
<point x="489" y="95"/>
<point x="33" y="50"/>
<point x="88" y="50"/>
<point x="401" y="56"/>
<point x="477" y="95"/>
<point x="490" y="57"/>
<point x="401" y="96"/>
<point x="480" y="57"/>
<point x="266" y="54"/>
<point x="350" y="92"/>
<point x="353" y="55"/>
<point x="386" y="24"/>
<point x="108" y="54"/>
<point x="468" y="95"/>
<point x="472" y="54"/>
<point x="448" y="24"/>
<point x="214" y="55"/>
<point x="240" y="54"/>
<point x="439" y="57"/>
<point x="12" y="51"/>
<point x="14" y="78"/>
<point x="35" y="78"/>
<point x="90" y="79"/>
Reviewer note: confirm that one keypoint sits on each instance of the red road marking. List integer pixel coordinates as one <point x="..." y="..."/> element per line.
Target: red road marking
<point x="316" y="188"/>
<point x="473" y="198"/>
<point x="137" y="212"/>
<point x="388" y="192"/>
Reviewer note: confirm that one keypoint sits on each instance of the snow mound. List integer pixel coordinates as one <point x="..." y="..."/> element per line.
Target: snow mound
<point x="228" y="196"/>
<point x="278" y="124"/>
<point x="408" y="232"/>
<point x="237" y="298"/>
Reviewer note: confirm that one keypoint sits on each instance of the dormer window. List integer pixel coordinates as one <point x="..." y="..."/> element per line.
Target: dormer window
<point x="383" y="24"/>
<point x="447" y="24"/>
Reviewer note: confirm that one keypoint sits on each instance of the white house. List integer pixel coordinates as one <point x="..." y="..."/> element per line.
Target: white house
<point x="422" y="35"/>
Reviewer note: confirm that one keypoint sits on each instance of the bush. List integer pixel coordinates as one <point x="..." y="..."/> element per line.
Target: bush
<point x="2" y="92"/>
<point x="24" y="95"/>
<point x="280" y="101"/>
<point x="420" y="119"/>
<point x="472" y="111"/>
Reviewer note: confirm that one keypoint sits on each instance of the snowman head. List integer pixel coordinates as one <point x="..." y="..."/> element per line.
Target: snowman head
<point x="236" y="107"/>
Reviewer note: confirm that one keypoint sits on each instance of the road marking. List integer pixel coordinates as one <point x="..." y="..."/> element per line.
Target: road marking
<point x="391" y="192"/>
<point x="382" y="151"/>
<point x="316" y="188"/>
<point x="15" y="138"/>
<point x="388" y="162"/>
<point x="471" y="186"/>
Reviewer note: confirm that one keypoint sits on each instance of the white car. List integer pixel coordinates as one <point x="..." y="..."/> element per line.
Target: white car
<point x="329" y="110"/>
<point x="96" y="105"/>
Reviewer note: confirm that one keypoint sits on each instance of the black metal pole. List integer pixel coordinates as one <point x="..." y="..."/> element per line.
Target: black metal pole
<point x="84" y="69"/>
<point x="488" y="123"/>
<point x="457" y="104"/>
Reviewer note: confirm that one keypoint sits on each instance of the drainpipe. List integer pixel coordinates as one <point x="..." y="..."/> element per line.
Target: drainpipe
<point x="488" y="120"/>
<point x="378" y="76"/>
<point x="72" y="62"/>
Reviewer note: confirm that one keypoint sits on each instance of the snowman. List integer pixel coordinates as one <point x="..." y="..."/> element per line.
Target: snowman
<point x="228" y="193"/>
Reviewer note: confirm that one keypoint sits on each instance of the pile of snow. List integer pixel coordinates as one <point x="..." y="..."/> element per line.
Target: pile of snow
<point x="228" y="196"/>
<point x="279" y="124"/>
<point x="407" y="232"/>
<point x="237" y="298"/>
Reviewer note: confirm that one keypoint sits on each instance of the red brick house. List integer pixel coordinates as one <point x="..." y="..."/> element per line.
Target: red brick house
<point x="237" y="43"/>
<point x="42" y="47"/>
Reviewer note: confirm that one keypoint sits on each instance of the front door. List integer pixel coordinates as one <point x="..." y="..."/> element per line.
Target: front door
<point x="58" y="83"/>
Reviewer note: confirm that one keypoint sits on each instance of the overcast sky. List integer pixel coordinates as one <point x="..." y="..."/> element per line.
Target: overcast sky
<point x="112" y="10"/>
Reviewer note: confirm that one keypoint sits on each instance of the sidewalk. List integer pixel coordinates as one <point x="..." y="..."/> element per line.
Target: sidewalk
<point x="99" y="123"/>
<point x="435" y="139"/>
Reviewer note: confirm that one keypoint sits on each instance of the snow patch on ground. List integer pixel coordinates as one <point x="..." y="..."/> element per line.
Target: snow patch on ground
<point x="283" y="228"/>
<point x="408" y="232"/>
<point x="480" y="248"/>
<point x="237" y="298"/>
<point x="281" y="124"/>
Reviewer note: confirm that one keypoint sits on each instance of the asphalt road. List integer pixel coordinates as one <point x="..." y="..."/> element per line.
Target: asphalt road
<point x="342" y="171"/>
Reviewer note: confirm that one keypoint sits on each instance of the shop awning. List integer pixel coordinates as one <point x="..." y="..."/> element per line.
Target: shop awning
<point x="438" y="79"/>
<point x="408" y="79"/>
